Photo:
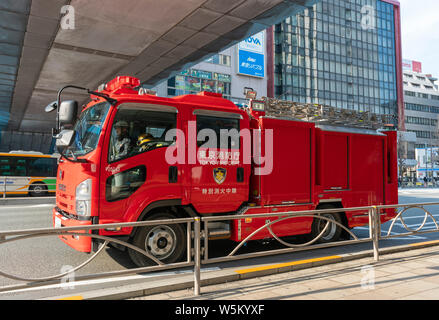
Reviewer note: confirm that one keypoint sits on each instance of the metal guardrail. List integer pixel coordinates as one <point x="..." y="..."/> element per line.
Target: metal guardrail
<point x="196" y="234"/>
<point x="31" y="188"/>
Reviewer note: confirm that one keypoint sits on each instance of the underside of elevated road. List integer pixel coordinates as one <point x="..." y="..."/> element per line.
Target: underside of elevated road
<point x="45" y="45"/>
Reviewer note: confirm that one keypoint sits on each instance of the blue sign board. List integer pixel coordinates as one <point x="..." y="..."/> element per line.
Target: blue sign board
<point x="251" y="58"/>
<point x="251" y="63"/>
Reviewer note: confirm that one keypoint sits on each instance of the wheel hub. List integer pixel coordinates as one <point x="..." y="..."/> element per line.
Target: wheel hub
<point x="161" y="241"/>
<point x="330" y="232"/>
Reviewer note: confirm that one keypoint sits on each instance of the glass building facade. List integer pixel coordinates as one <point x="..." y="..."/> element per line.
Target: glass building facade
<point x="340" y="53"/>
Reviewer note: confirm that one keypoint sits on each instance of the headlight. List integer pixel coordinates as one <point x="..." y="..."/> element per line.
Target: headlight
<point x="83" y="208"/>
<point x="83" y="198"/>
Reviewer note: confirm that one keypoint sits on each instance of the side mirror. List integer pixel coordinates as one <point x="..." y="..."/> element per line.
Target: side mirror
<point x="52" y="106"/>
<point x="68" y="111"/>
<point x="65" y="138"/>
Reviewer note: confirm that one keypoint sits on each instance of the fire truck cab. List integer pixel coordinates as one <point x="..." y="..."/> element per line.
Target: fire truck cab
<point x="133" y="156"/>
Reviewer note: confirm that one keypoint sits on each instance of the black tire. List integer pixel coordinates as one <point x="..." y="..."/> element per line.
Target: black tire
<point x="167" y="243"/>
<point x="38" y="189"/>
<point x="333" y="232"/>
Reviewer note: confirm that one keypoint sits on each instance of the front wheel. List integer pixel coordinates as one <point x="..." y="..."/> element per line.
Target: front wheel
<point x="38" y="189"/>
<point x="166" y="243"/>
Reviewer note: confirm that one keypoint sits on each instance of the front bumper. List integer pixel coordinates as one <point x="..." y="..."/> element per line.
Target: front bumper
<point x="79" y="243"/>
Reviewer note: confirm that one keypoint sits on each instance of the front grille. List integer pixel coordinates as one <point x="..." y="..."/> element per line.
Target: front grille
<point x="66" y="214"/>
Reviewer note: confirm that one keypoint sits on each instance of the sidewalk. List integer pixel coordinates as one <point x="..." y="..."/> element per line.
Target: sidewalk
<point x="419" y="190"/>
<point x="409" y="275"/>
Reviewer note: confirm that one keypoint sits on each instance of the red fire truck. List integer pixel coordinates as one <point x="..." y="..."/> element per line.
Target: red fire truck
<point x="116" y="167"/>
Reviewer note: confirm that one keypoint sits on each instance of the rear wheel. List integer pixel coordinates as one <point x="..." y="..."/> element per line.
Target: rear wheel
<point x="38" y="189"/>
<point x="166" y="243"/>
<point x="333" y="231"/>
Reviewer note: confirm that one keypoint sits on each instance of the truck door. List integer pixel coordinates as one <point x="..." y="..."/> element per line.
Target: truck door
<point x="219" y="178"/>
<point x="134" y="170"/>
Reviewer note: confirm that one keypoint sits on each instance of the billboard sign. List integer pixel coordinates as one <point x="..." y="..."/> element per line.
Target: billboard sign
<point x="417" y="66"/>
<point x="410" y="65"/>
<point x="407" y="65"/>
<point x="251" y="58"/>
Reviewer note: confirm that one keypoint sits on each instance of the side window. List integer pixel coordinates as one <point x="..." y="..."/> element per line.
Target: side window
<point x="42" y="167"/>
<point x="54" y="166"/>
<point x="20" y="167"/>
<point x="123" y="184"/>
<point x="136" y="131"/>
<point x="215" y="132"/>
<point x="13" y="166"/>
<point x="6" y="165"/>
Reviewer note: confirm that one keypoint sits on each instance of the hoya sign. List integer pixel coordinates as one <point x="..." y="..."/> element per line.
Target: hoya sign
<point x="253" y="44"/>
<point x="251" y="58"/>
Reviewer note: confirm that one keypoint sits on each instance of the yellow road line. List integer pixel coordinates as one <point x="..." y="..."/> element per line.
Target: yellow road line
<point x="286" y="264"/>
<point x="423" y="243"/>
<point x="72" y="298"/>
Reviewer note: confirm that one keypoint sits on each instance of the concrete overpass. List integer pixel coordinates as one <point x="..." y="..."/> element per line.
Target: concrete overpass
<point x="149" y="39"/>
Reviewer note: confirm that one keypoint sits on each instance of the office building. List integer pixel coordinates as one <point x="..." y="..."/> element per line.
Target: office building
<point x="343" y="53"/>
<point x="230" y="72"/>
<point x="421" y="101"/>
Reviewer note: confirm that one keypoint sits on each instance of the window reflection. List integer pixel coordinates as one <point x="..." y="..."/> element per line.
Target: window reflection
<point x="136" y="131"/>
<point x="123" y="184"/>
<point x="340" y="55"/>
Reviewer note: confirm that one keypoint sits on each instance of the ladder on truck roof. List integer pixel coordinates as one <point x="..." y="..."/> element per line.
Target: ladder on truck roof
<point x="326" y="115"/>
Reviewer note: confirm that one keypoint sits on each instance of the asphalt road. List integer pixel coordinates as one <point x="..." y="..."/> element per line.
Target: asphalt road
<point x="47" y="256"/>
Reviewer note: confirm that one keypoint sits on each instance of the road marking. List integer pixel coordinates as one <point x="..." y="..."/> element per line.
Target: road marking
<point x="361" y="228"/>
<point x="409" y="237"/>
<point x="418" y="190"/>
<point x="416" y="217"/>
<point x="404" y="238"/>
<point x="425" y="227"/>
<point x="287" y="264"/>
<point x="384" y="233"/>
<point x="27" y="206"/>
<point x="98" y="281"/>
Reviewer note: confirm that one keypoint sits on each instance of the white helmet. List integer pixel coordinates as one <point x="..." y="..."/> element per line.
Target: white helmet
<point x="121" y="124"/>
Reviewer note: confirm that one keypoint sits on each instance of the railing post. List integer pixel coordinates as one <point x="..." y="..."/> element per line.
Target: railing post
<point x="189" y="241"/>
<point x="197" y="258"/>
<point x="375" y="230"/>
<point x="205" y="250"/>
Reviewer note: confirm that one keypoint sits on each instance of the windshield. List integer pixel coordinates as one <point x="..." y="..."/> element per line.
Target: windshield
<point x="88" y="128"/>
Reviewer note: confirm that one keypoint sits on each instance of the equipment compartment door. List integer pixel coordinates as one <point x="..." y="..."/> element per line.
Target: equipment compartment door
<point x="368" y="175"/>
<point x="335" y="161"/>
<point x="292" y="159"/>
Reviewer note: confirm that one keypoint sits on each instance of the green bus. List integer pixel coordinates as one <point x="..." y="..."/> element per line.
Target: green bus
<point x="28" y="173"/>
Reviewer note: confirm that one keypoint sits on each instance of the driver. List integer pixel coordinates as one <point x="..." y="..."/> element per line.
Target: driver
<point x="142" y="141"/>
<point x="123" y="141"/>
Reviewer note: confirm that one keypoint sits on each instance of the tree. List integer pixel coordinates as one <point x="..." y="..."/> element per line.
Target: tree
<point x="402" y="156"/>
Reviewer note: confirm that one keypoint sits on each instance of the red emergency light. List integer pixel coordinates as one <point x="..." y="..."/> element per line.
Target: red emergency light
<point x="122" y="82"/>
<point x="209" y="94"/>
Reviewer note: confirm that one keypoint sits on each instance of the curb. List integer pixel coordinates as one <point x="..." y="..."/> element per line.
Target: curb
<point x="228" y="275"/>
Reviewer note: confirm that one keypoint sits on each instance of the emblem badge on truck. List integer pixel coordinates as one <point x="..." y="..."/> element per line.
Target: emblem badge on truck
<point x="219" y="174"/>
